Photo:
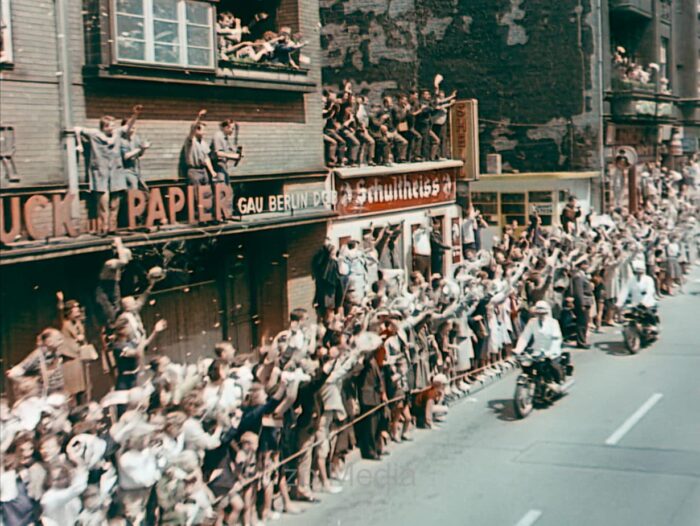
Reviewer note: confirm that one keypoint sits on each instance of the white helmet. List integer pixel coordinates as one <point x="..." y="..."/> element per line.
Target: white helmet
<point x="542" y="307"/>
<point x="639" y="266"/>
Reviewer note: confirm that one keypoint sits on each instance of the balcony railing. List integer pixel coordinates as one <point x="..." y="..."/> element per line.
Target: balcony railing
<point x="632" y="85"/>
<point x="640" y="105"/>
<point x="638" y="7"/>
<point x="258" y="76"/>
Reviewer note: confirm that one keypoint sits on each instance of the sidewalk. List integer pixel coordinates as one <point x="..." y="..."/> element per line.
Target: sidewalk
<point x="355" y="464"/>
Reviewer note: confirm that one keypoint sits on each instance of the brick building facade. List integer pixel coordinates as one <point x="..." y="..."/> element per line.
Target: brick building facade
<point x="543" y="76"/>
<point x="645" y="115"/>
<point x="248" y="273"/>
<point x="538" y="107"/>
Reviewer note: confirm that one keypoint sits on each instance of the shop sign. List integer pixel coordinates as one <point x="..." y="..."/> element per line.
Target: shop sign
<point x="367" y="195"/>
<point x="543" y="210"/>
<point x="464" y="137"/>
<point x="284" y="202"/>
<point x="45" y="216"/>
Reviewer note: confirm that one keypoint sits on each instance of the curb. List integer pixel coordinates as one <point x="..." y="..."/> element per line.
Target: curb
<point x="478" y="385"/>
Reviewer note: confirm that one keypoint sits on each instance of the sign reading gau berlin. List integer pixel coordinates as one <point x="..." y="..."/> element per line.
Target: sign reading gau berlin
<point x="366" y="195"/>
<point x="285" y="202"/>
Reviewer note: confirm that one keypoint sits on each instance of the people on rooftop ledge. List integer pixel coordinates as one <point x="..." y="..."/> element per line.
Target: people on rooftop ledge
<point x="407" y="128"/>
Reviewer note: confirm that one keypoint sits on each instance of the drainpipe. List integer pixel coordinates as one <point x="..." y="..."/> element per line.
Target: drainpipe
<point x="64" y="74"/>
<point x="600" y="89"/>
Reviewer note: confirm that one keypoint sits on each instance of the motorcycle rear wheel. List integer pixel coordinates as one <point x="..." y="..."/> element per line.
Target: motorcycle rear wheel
<point x="633" y="340"/>
<point x="523" y="400"/>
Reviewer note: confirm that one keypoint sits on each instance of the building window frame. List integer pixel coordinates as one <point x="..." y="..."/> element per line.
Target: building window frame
<point x="542" y="201"/>
<point x="488" y="204"/>
<point x="182" y="43"/>
<point x="496" y="212"/>
<point x="6" y="56"/>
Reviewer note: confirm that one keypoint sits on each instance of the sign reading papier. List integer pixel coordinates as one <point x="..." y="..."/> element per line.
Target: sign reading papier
<point x="45" y="216"/>
<point x="366" y="195"/>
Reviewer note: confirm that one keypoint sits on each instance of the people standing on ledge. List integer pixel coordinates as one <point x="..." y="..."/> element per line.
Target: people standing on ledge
<point x="105" y="166"/>
<point x="363" y="132"/>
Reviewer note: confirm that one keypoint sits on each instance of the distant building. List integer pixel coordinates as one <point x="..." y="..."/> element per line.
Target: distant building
<point x="542" y="73"/>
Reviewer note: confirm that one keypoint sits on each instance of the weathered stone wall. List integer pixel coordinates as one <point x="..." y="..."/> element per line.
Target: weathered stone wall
<point x="530" y="63"/>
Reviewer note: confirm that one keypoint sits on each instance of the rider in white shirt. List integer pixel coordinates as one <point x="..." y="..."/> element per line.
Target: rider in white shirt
<point x="543" y="331"/>
<point x="542" y="335"/>
<point x="640" y="290"/>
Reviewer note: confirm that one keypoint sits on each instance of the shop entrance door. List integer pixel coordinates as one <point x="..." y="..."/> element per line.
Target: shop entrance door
<point x="269" y="274"/>
<point x="240" y="308"/>
<point x="255" y="285"/>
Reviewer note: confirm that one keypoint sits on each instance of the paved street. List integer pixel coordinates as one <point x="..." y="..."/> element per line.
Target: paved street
<point x="554" y="468"/>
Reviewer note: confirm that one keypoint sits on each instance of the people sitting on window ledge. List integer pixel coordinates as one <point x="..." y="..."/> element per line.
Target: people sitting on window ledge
<point x="236" y="45"/>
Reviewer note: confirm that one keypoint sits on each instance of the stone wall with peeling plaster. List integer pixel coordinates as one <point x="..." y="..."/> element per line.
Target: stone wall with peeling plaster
<point x="520" y="58"/>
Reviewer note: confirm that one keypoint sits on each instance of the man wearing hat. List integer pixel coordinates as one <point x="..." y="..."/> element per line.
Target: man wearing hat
<point x="372" y="393"/>
<point x="640" y="291"/>
<point x="542" y="335"/>
<point x="582" y="292"/>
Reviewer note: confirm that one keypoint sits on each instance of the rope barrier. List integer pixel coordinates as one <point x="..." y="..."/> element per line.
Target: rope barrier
<point x="359" y="418"/>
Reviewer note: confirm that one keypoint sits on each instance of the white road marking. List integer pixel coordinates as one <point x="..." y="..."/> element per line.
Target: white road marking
<point x="632" y="421"/>
<point x="529" y="518"/>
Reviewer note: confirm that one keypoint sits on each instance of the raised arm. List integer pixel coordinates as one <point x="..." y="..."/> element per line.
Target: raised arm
<point x="197" y="121"/>
<point x="60" y="305"/>
<point x="136" y="111"/>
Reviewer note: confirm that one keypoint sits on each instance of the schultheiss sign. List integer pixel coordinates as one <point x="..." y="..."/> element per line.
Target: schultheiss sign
<point x="366" y="195"/>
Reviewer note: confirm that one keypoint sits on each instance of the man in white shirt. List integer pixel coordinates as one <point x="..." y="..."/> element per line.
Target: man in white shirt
<point x="421" y="250"/>
<point x="468" y="228"/>
<point x="639" y="290"/>
<point x="543" y="331"/>
<point x="542" y="335"/>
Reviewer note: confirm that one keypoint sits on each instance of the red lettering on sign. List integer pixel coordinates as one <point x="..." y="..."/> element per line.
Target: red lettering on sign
<point x="367" y="195"/>
<point x="32" y="207"/>
<point x="190" y="205"/>
<point x="156" y="209"/>
<point x="15" y="222"/>
<point x="136" y="204"/>
<point x="204" y="203"/>
<point x="62" y="218"/>
<point x="176" y="202"/>
<point x="223" y="200"/>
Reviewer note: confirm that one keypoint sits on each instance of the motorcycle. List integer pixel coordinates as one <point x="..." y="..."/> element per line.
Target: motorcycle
<point x="641" y="328"/>
<point x="532" y="387"/>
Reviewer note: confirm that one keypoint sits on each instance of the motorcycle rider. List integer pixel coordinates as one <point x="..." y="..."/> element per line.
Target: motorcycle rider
<point x="542" y="336"/>
<point x="640" y="291"/>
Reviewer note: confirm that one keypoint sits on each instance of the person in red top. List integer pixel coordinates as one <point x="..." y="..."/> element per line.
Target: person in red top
<point x="425" y="402"/>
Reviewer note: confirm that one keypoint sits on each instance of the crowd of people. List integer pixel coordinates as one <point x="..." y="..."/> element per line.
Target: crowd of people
<point x="626" y="69"/>
<point x="651" y="179"/>
<point x="408" y="127"/>
<point x="240" y="437"/>
<point x="255" y="42"/>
